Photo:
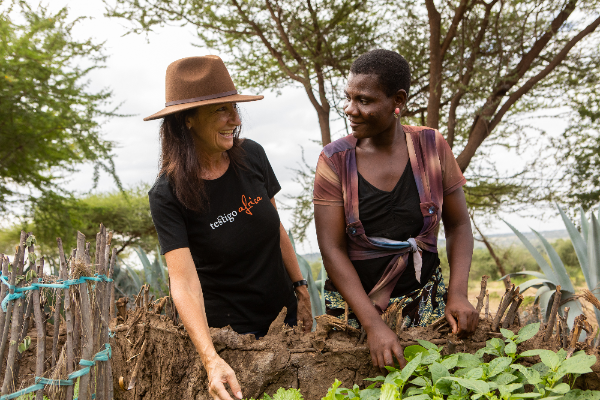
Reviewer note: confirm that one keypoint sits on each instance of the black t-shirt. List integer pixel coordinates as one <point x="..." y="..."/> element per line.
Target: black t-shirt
<point x="393" y="215"/>
<point x="234" y="243"/>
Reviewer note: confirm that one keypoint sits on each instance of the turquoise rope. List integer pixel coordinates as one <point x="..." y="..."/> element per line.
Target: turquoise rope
<point x="20" y="291"/>
<point x="40" y="382"/>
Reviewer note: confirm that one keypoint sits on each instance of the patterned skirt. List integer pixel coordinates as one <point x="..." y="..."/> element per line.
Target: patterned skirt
<point x="421" y="307"/>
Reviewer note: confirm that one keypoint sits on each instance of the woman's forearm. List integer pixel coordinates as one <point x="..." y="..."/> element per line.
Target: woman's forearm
<point x="191" y="310"/>
<point x="187" y="296"/>
<point x="459" y="247"/>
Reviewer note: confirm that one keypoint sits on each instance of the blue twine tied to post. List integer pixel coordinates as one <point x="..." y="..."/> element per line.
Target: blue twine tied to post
<point x="40" y="382"/>
<point x="20" y="291"/>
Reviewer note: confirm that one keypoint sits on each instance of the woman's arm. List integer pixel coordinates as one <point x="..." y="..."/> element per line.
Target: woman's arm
<point x="293" y="269"/>
<point x="331" y="235"/>
<point x="188" y="298"/>
<point x="460" y="313"/>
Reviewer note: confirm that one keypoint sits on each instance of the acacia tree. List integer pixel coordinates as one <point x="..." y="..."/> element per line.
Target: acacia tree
<point x="479" y="67"/>
<point x="273" y="43"/>
<point x="494" y="60"/>
<point x="49" y="117"/>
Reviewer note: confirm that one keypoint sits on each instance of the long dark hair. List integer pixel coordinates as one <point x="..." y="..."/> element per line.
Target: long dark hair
<point x="179" y="160"/>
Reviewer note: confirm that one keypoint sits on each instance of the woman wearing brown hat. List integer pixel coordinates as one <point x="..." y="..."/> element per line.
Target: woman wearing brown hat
<point x="230" y="261"/>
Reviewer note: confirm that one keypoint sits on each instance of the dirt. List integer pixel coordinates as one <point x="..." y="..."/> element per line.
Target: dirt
<point x="170" y="366"/>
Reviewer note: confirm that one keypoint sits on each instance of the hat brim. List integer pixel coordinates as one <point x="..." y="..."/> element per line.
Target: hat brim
<point x="236" y="98"/>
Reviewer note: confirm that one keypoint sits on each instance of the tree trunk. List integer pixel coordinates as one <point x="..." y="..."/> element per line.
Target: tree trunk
<point x="324" y="125"/>
<point x="435" y="65"/>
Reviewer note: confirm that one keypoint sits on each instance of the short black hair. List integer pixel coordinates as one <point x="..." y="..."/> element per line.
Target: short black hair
<point x="391" y="68"/>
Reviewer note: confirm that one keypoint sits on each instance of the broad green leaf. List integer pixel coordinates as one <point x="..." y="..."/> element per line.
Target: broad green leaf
<point x="505" y="378"/>
<point x="527" y="332"/>
<point x="506" y="389"/>
<point x="410" y="367"/>
<point x="475" y="373"/>
<point x="532" y="376"/>
<point x="577" y="364"/>
<point x="450" y="362"/>
<point x="428" y="345"/>
<point x="498" y="365"/>
<point x="377" y="379"/>
<point x="393" y="377"/>
<point x="411" y="352"/>
<point x="548" y="357"/>
<point x="466" y="360"/>
<point x="506" y="333"/>
<point x="431" y="357"/>
<point x="510" y="348"/>
<point x="438" y="371"/>
<point x="370" y="394"/>
<point x="419" y="381"/>
<point x="578" y="394"/>
<point x="561" y="388"/>
<point x="389" y="392"/>
<point x="477" y="386"/>
<point x="418" y="397"/>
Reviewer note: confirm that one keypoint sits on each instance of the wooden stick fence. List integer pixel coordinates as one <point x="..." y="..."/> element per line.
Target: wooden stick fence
<point x="85" y="289"/>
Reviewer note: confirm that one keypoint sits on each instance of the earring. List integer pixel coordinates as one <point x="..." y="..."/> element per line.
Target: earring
<point x="396" y="113"/>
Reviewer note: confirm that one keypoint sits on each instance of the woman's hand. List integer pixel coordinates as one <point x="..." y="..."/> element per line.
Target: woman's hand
<point x="304" y="308"/>
<point x="219" y="373"/>
<point x="461" y="316"/>
<point x="384" y="345"/>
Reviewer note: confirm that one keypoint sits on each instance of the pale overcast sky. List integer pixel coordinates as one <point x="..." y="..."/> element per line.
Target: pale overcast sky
<point x="135" y="72"/>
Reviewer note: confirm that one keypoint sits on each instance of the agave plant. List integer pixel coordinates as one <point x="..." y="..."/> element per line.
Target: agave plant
<point x="552" y="275"/>
<point x="317" y="306"/>
<point x="587" y="249"/>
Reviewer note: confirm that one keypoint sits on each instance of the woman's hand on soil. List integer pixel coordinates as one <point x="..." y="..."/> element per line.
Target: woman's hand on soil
<point x="384" y="346"/>
<point x="304" y="308"/>
<point x="219" y="373"/>
<point x="461" y="316"/>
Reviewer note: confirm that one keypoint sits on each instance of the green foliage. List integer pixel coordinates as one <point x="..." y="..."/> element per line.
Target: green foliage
<point x="586" y="246"/>
<point x="313" y="290"/>
<point x="429" y="375"/>
<point x="126" y="213"/>
<point x="284" y="394"/>
<point x="128" y="280"/>
<point x="49" y="118"/>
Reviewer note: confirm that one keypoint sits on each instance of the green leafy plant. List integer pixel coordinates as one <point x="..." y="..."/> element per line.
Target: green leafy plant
<point x="467" y="376"/>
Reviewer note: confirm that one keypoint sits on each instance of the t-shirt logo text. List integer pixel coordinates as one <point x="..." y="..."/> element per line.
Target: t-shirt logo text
<point x="248" y="204"/>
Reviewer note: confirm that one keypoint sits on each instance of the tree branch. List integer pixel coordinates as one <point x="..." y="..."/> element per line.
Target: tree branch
<point x="542" y="74"/>
<point x="458" y="16"/>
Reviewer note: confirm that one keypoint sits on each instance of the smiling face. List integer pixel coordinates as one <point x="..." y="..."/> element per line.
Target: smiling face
<point x="369" y="109"/>
<point x="213" y="127"/>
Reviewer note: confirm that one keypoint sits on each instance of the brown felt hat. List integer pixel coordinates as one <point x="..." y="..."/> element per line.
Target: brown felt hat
<point x="197" y="81"/>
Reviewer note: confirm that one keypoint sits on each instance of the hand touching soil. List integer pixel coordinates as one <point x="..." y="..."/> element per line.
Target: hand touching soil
<point x="384" y="345"/>
<point x="304" y="309"/>
<point x="461" y="316"/>
<point x="219" y="373"/>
